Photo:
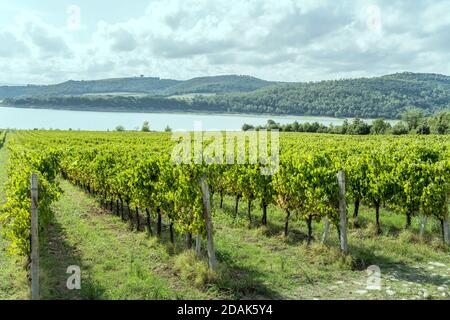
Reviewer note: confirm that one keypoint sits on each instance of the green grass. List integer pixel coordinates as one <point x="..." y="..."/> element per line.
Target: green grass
<point x="293" y="270"/>
<point x="13" y="277"/>
<point x="115" y="262"/>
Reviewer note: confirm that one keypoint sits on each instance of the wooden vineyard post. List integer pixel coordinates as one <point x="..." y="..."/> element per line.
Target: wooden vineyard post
<point x="149" y="222"/>
<point x="34" y="238"/>
<point x="423" y="224"/>
<point x="446" y="231"/>
<point x="326" y="230"/>
<point x="198" y="244"/>
<point x="209" y="228"/>
<point x="189" y="240"/>
<point x="342" y="211"/>
<point x="138" y="224"/>
<point x="159" y="224"/>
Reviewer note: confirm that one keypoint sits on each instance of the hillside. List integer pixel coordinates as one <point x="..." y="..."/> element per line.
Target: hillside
<point x="387" y="96"/>
<point x="147" y="85"/>
<point x="140" y="85"/>
<point x="217" y="84"/>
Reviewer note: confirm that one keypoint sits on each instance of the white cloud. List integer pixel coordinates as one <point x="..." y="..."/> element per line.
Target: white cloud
<point x="436" y="16"/>
<point x="44" y="38"/>
<point x="11" y="46"/>
<point x="274" y="39"/>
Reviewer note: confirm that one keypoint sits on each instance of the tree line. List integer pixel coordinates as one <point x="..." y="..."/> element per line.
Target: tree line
<point x="413" y="122"/>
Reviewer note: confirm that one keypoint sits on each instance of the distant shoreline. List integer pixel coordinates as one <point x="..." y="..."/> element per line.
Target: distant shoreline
<point x="193" y="112"/>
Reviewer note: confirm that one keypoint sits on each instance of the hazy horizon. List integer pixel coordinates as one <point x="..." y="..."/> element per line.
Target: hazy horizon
<point x="155" y="76"/>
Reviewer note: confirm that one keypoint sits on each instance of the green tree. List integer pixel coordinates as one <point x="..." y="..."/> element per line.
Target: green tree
<point x="440" y="123"/>
<point x="399" y="128"/>
<point x="246" y="127"/>
<point x="380" y="126"/>
<point x="412" y="117"/>
<point x="359" y="127"/>
<point x="345" y="128"/>
<point x="145" y="127"/>
<point x="423" y="128"/>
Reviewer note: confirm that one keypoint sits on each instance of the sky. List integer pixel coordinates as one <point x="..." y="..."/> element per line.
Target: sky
<point x="51" y="41"/>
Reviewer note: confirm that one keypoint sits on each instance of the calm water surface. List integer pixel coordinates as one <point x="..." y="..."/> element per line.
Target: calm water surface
<point x="27" y="118"/>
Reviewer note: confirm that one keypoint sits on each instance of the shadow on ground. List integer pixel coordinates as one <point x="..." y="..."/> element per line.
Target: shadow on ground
<point x="56" y="256"/>
<point x="244" y="282"/>
<point x="271" y="229"/>
<point x="235" y="282"/>
<point x="365" y="257"/>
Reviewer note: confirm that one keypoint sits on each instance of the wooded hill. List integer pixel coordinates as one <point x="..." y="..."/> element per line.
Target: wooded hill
<point x="386" y="96"/>
<point x="139" y="85"/>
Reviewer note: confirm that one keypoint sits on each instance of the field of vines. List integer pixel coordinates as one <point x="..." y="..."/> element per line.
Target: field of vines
<point x="409" y="175"/>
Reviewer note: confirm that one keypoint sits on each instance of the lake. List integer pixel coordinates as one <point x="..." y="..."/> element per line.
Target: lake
<point x="28" y="118"/>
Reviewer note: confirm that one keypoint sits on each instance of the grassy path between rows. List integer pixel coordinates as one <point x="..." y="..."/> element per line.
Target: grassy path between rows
<point x="115" y="262"/>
